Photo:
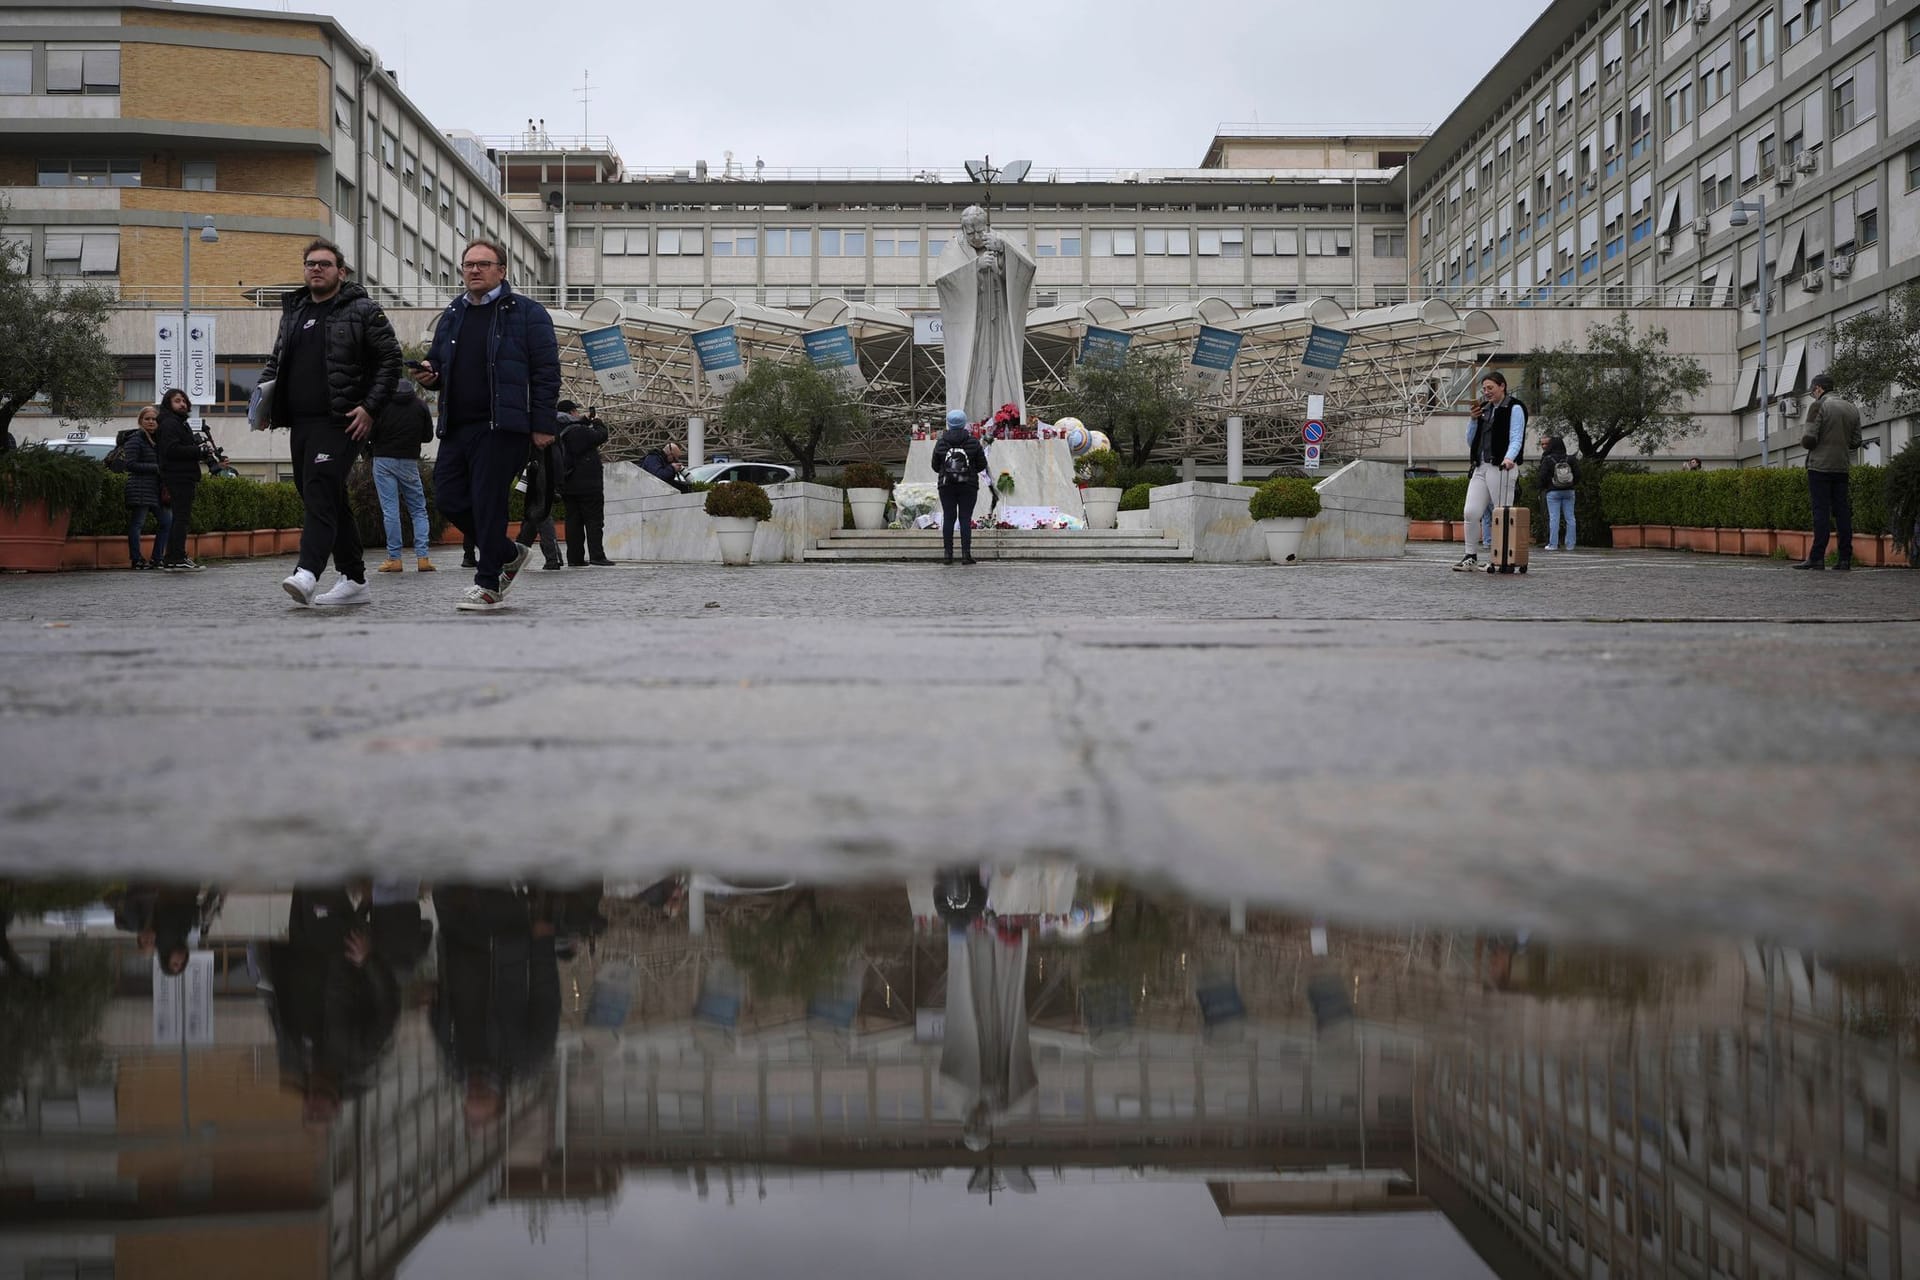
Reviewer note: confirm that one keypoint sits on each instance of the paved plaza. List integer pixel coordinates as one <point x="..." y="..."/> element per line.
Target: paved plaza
<point x="1620" y="744"/>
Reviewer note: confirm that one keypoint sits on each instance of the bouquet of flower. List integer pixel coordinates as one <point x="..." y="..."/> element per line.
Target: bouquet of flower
<point x="911" y="501"/>
<point x="1005" y="483"/>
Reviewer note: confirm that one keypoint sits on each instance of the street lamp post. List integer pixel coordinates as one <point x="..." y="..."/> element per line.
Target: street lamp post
<point x="1741" y="208"/>
<point x="208" y="235"/>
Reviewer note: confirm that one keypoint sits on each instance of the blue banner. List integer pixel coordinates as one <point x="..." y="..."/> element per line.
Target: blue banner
<point x="830" y="348"/>
<point x="1325" y="347"/>
<point x="1216" y="349"/>
<point x="1104" y="346"/>
<point x="718" y="349"/>
<point x="611" y="361"/>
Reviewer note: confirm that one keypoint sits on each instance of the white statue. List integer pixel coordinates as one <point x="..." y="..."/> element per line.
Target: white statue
<point x="984" y="283"/>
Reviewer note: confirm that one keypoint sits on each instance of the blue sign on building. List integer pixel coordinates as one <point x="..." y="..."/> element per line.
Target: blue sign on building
<point x="1322" y="355"/>
<point x="1104" y="346"/>
<point x="611" y="361"/>
<point x="830" y="348"/>
<point x="1216" y="349"/>
<point x="719" y="353"/>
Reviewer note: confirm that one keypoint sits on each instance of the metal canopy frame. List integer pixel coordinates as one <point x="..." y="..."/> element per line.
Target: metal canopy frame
<point x="1398" y="363"/>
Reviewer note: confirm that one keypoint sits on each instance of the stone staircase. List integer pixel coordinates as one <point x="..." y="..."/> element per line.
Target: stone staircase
<point x="1003" y="544"/>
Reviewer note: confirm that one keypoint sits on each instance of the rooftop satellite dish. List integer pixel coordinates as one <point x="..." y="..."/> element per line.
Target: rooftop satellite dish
<point x="978" y="171"/>
<point x="1016" y="171"/>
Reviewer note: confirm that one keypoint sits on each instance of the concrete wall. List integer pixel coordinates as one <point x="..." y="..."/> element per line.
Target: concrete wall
<point x="648" y="519"/>
<point x="1363" y="515"/>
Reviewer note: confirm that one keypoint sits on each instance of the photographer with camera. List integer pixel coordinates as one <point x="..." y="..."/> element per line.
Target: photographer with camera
<point x="583" y="484"/>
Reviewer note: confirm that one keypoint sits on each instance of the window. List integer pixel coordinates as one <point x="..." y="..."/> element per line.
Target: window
<point x="16" y="72"/>
<point x="198" y="175"/>
<point x="1639" y="123"/>
<point x="1589" y="72"/>
<point x="1154" y="242"/>
<point x="1610" y="48"/>
<point x="618" y="241"/>
<point x="1329" y="244"/>
<point x="732" y="242"/>
<point x="1678" y="103"/>
<point x="1640" y="30"/>
<point x="580" y="237"/>
<point x="409" y="169"/>
<point x="1046" y="244"/>
<point x="1675" y="14"/>
<point x="1913" y="168"/>
<point x="838" y="243"/>
<point x="389" y="150"/>
<point x="788" y="242"/>
<point x="460" y="217"/>
<point x="1913" y="37"/>
<point x="1389" y="244"/>
<point x="1853" y="98"/>
<point x="1802" y="21"/>
<point x="83" y="68"/>
<point x="343" y="197"/>
<point x="1844" y="107"/>
<point x="389" y="231"/>
<point x="446" y="200"/>
<point x="426" y="189"/>
<point x="1233" y="243"/>
<point x="82" y="252"/>
<point x="688" y="242"/>
<point x="89" y="173"/>
<point x="409" y="248"/>
<point x="1716" y="74"/>
<point x="343" y="111"/>
<point x="1756" y="45"/>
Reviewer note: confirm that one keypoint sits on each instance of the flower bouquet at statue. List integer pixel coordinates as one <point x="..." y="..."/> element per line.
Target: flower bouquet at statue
<point x="912" y="503"/>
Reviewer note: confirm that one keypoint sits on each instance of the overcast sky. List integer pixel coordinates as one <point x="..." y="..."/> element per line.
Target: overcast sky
<point x="1124" y="83"/>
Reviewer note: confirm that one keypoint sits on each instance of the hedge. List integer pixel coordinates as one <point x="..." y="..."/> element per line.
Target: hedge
<point x="1137" y="498"/>
<point x="1750" y="498"/>
<point x="1445" y="498"/>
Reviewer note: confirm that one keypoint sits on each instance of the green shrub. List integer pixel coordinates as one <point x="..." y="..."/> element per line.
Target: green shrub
<point x="1285" y="498"/>
<point x="1436" y="497"/>
<point x="64" y="481"/>
<point x="1138" y="498"/>
<point x="225" y="503"/>
<point x="1789" y="505"/>
<point x="866" y="475"/>
<point x="1900" y="499"/>
<point x="739" y="498"/>
<point x="1866" y="493"/>
<point x="281" y="507"/>
<point x="1151" y="474"/>
<point x="1101" y="468"/>
<point x="109" y="514"/>
<point x="1750" y="498"/>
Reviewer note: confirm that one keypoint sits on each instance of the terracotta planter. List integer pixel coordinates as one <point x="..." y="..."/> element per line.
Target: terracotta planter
<point x="1895" y="556"/>
<point x="79" y="553"/>
<point x="1659" y="536"/>
<point x="111" y="553"/>
<point x="1795" y="542"/>
<point x="287" y="542"/>
<point x="1427" y="531"/>
<point x="1728" y="542"/>
<point x="34" y="540"/>
<point x="1692" y="538"/>
<point x="1629" y="536"/>
<point x="1756" y="542"/>
<point x="263" y="542"/>
<point x="1868" y="550"/>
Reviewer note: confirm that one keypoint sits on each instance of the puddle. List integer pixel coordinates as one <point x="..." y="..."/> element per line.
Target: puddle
<point x="1024" y="1072"/>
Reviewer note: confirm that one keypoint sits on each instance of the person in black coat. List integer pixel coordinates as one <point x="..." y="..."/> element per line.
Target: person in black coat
<point x="496" y="1014"/>
<point x="1559" y="475"/>
<point x="959" y="482"/>
<point x="402" y="427"/>
<point x="335" y="1001"/>
<point x="586" y="486"/>
<point x="179" y="449"/>
<point x="142" y="457"/>
<point x="162" y="918"/>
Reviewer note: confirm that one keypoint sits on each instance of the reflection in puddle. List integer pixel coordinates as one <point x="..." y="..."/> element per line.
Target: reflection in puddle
<point x="701" y="1077"/>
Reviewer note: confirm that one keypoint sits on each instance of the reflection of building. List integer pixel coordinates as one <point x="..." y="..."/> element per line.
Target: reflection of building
<point x="1784" y="1142"/>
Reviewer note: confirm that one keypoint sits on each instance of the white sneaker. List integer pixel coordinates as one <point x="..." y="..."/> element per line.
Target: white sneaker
<point x="512" y="568"/>
<point x="300" y="586"/>
<point x="345" y="591"/>
<point x="1467" y="563"/>
<point x="477" y="599"/>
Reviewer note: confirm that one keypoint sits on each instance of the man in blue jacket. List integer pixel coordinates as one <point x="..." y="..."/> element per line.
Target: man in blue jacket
<point x="497" y="364"/>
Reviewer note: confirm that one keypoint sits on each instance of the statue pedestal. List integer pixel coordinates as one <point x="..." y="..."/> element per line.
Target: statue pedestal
<point x="1042" y="472"/>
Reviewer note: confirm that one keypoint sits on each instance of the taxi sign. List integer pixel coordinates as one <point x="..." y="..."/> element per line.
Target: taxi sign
<point x="78" y="437"/>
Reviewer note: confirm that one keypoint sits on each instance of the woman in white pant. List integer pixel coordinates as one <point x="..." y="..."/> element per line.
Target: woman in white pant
<point x="1495" y="434"/>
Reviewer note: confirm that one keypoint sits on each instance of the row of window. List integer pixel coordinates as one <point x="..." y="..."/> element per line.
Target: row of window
<point x="910" y="297"/>
<point x="831" y="242"/>
<point x="66" y="68"/>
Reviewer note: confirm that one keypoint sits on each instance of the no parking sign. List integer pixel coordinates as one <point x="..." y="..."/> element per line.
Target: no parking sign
<point x="1314" y="431"/>
<point x="1313" y="457"/>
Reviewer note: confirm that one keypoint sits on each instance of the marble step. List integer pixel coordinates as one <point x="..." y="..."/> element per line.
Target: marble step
<point x="1002" y="544"/>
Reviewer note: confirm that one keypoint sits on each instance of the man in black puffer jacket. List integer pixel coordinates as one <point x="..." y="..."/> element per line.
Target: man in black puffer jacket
<point x="585" y="487"/>
<point x="334" y="367"/>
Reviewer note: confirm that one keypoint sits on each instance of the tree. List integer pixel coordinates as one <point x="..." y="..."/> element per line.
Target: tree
<point x="53" y="342"/>
<point x="791" y="405"/>
<point x="1876" y="355"/>
<point x="1614" y="387"/>
<point x="52" y="1018"/>
<point x="1136" y="401"/>
<point x="801" y="949"/>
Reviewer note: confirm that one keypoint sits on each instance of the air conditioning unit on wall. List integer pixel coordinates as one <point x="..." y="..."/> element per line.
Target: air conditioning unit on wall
<point x="1703" y="15"/>
<point x="1807" y="162"/>
<point x="1702" y="227"/>
<point x="1666" y="242"/>
<point x="1841" y="265"/>
<point x="1813" y="280"/>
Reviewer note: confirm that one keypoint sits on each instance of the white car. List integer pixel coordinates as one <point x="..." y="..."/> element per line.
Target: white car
<point x="762" y="473"/>
<point x="84" y="444"/>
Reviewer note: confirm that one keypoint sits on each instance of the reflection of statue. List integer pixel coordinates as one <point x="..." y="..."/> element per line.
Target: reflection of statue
<point x="986" y="1057"/>
<point x="984" y="281"/>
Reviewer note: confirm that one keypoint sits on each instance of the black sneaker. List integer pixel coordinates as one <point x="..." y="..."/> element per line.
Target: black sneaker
<point x="554" y="564"/>
<point x="1843" y="566"/>
<point x="1815" y="565"/>
<point x="603" y="562"/>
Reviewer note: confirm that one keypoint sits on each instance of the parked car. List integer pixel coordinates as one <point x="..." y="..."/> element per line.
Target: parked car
<point x="85" y="444"/>
<point x="761" y="473"/>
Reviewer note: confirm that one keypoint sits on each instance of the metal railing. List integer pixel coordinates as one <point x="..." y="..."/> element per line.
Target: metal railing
<point x="541" y="141"/>
<point x="749" y="173"/>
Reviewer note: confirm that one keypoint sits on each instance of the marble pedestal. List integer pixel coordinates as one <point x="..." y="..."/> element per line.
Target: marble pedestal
<point x="1042" y="472"/>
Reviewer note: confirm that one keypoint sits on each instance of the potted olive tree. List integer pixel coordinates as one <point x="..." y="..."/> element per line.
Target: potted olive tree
<point x="1283" y="506"/>
<point x="868" y="487"/>
<point x="1100" y="472"/>
<point x="737" y="507"/>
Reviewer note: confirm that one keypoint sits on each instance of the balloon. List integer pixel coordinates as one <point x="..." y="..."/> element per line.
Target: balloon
<point x="1074" y="432"/>
<point x="1100" y="442"/>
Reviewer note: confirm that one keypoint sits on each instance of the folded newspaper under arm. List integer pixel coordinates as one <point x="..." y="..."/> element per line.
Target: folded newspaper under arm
<point x="260" y="406"/>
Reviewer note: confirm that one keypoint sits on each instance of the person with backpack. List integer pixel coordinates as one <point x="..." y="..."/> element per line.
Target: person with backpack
<point x="139" y="457"/>
<point x="402" y="427"/>
<point x="583" y="484"/>
<point x="1559" y="475"/>
<point x="958" y="460"/>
